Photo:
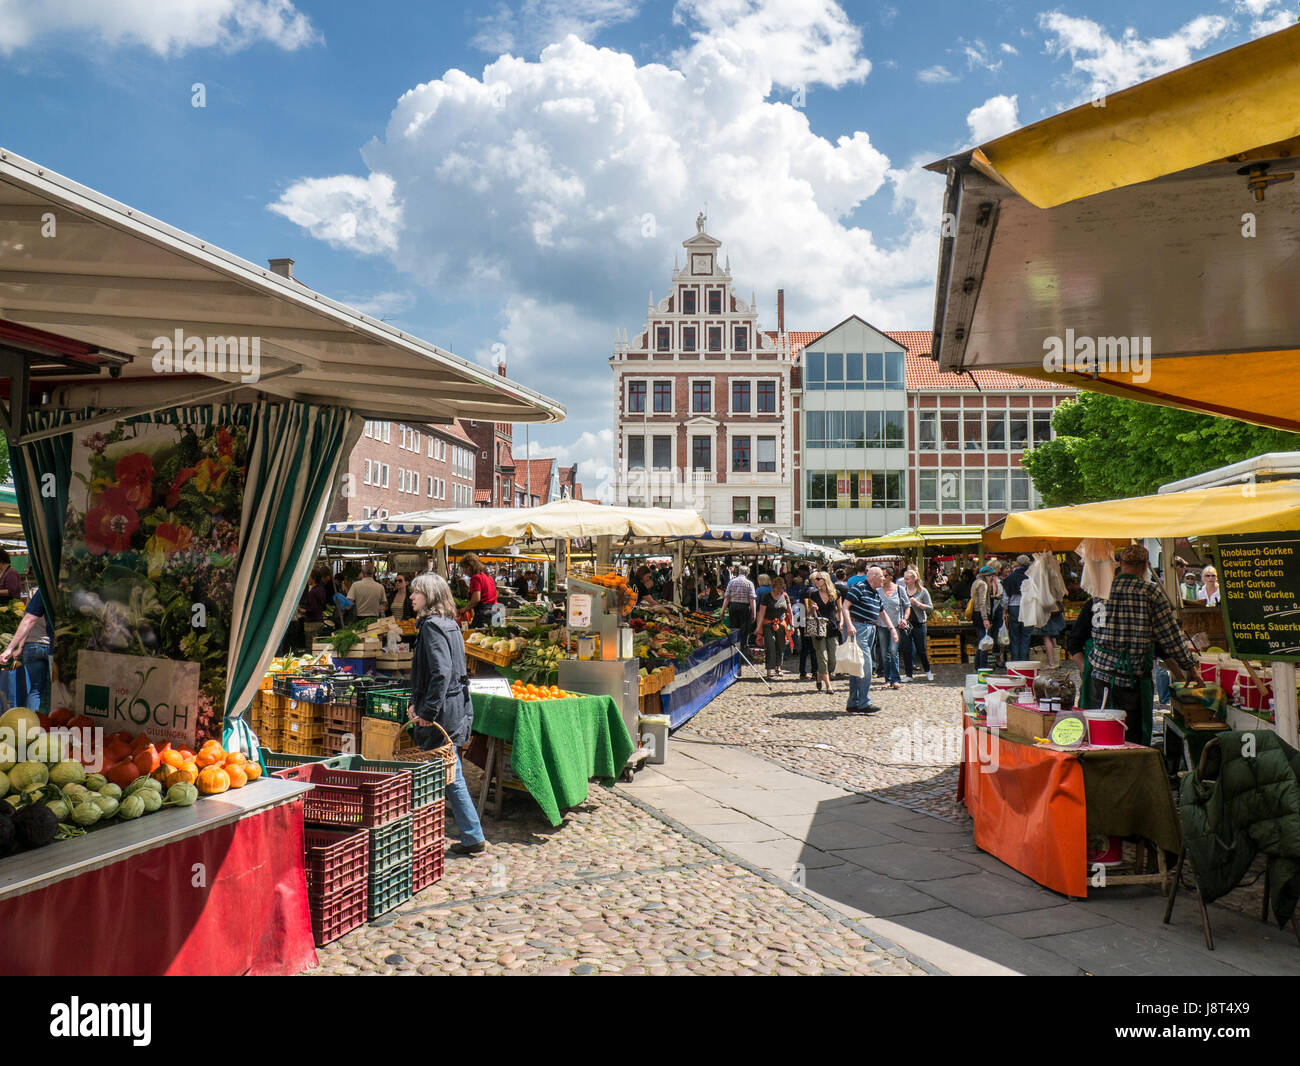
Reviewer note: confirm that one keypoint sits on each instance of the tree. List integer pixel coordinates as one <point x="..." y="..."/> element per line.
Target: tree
<point x="6" y="474"/>
<point x="1107" y="448"/>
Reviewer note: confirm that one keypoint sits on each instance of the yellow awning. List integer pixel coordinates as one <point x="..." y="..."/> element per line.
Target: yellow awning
<point x="1272" y="507"/>
<point x="916" y="537"/>
<point x="563" y="520"/>
<point x="1156" y="232"/>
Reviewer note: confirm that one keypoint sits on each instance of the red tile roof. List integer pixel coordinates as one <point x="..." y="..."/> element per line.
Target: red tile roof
<point x="540" y="472"/>
<point x="482" y="495"/>
<point x="796" y="338"/>
<point x="924" y="373"/>
<point x="458" y="431"/>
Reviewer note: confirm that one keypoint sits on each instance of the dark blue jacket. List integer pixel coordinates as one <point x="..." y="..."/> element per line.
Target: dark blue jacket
<point x="1012" y="582"/>
<point x="440" y="683"/>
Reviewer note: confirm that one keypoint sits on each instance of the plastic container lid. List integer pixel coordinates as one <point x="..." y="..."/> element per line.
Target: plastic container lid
<point x="1107" y="715"/>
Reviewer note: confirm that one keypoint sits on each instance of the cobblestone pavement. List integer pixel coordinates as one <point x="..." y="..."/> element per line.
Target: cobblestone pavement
<point x="613" y="890"/>
<point x="907" y="754"/>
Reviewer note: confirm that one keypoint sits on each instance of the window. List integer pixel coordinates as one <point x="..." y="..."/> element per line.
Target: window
<point x="365" y="512"/>
<point x="995" y="431"/>
<point x="894" y="428"/>
<point x="767" y="397"/>
<point x="663" y="453"/>
<point x="635" y="397"/>
<point x="388" y="433"/>
<point x="927" y="430"/>
<point x="886" y="490"/>
<point x="663" y="397"/>
<point x="927" y="490"/>
<point x="766" y="455"/>
<point x="853" y="371"/>
<point x="715" y="301"/>
<point x="401" y="479"/>
<point x="740" y="454"/>
<point x="816" y="429"/>
<point x="767" y="508"/>
<point x="834" y="372"/>
<point x="815" y="367"/>
<point x="715" y="338"/>
<point x="895" y="376"/>
<point x="405" y="432"/>
<point x="688" y="301"/>
<point x="742" y="339"/>
<point x="740" y="508"/>
<point x="385" y="468"/>
<point x="663" y="501"/>
<point x="367" y="475"/>
<point x="855" y="429"/>
<point x="739" y="397"/>
<point x="1019" y="490"/>
<point x="974" y="490"/>
<point x="431" y="443"/>
<point x="973" y="426"/>
<point x="430" y="480"/>
<point x="1042" y="426"/>
<point x="688" y="338"/>
<point x="949" y="490"/>
<point x="370" y="429"/>
<point x="636" y="501"/>
<point x="415" y="441"/>
<point x="701" y="454"/>
<point x="701" y="396"/>
<point x="835" y="429"/>
<point x="997" y="490"/>
<point x="663" y="338"/>
<point x="950" y="430"/>
<point x="1019" y="430"/>
<point x="636" y="453"/>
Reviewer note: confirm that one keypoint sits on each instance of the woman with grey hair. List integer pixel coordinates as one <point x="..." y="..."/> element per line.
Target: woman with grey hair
<point x="440" y="693"/>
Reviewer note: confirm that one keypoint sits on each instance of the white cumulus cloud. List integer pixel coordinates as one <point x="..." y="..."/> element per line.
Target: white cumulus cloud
<point x="169" y="27"/>
<point x="533" y="24"/>
<point x="358" y="213"/>
<point x="994" y="117"/>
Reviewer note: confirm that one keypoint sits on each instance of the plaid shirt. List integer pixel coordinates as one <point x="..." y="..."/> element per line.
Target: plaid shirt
<point x="1139" y="621"/>
<point x="740" y="592"/>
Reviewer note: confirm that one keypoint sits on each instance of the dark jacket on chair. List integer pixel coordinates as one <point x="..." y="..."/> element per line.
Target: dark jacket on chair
<point x="440" y="683"/>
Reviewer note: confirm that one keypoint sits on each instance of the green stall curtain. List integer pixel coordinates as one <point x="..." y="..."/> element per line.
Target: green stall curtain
<point x="42" y="499"/>
<point x="297" y="454"/>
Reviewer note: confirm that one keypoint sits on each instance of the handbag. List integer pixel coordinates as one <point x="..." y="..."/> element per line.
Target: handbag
<point x="849" y="660"/>
<point x="818" y="626"/>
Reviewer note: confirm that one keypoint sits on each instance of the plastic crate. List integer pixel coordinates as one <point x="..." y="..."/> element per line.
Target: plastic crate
<point x="313" y="687"/>
<point x="340" y="913"/>
<point x="428" y="779"/>
<point x="427" y="868"/>
<point x="392" y="844"/>
<point x="349" y="797"/>
<point x="429" y="827"/>
<point x="335" y="859"/>
<point x="388" y="888"/>
<point x="388" y="703"/>
<point x="315" y="749"/>
<point x="282" y="760"/>
<point x="342" y="717"/>
<point x="341" y="745"/>
<point x="305" y="721"/>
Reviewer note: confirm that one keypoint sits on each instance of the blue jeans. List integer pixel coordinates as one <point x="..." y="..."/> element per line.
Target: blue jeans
<point x="1162" y="684"/>
<point x="36" y="658"/>
<point x="1020" y="636"/>
<point x="860" y="687"/>
<point x="888" y="653"/>
<point x="462" y="807"/>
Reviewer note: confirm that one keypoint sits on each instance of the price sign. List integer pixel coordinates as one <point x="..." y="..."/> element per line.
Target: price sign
<point x="1069" y="731"/>
<point x="580" y="610"/>
<point x="490" y="686"/>
<point x="1259" y="581"/>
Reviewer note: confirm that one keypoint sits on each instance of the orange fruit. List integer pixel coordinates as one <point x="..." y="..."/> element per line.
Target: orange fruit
<point x="253" y="770"/>
<point x="173" y="758"/>
<point x="238" y="779"/>
<point x="208" y="758"/>
<point x="236" y="758"/>
<point x="213" y="780"/>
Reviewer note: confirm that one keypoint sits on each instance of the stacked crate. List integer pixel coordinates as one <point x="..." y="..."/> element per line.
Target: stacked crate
<point x="338" y="880"/>
<point x="945" y="649"/>
<point x="428" y="802"/>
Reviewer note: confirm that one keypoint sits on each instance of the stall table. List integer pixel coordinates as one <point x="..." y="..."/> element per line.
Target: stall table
<point x="213" y="889"/>
<point x="1037" y="809"/>
<point x="558" y="746"/>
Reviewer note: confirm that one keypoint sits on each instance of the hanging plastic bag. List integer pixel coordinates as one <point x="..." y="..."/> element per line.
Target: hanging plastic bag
<point x="849" y="660"/>
<point x="986" y="643"/>
<point x="1004" y="635"/>
<point x="1033" y="603"/>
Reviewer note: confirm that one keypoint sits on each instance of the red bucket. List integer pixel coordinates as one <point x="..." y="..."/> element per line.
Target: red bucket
<point x="1228" y="677"/>
<point x="1209" y="671"/>
<point x="1248" y="694"/>
<point x="1105" y="728"/>
<point x="1105" y="851"/>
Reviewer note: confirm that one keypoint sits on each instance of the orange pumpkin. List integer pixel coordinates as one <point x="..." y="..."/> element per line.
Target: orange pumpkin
<point x="238" y="779"/>
<point x="209" y="758"/>
<point x="236" y="758"/>
<point x="173" y="758"/>
<point x="186" y="754"/>
<point x="253" y="770"/>
<point x="213" y="780"/>
<point x="177" y="777"/>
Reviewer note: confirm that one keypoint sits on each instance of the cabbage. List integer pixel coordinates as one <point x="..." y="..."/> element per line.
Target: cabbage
<point x="142" y="783"/>
<point x="153" y="801"/>
<point x="60" y="808"/>
<point x="107" y="804"/>
<point x="84" y="814"/>
<point x="68" y="772"/>
<point x="132" y="807"/>
<point x="27" y="775"/>
<point x="96" y="782"/>
<point x="181" y="794"/>
<point x="110" y="789"/>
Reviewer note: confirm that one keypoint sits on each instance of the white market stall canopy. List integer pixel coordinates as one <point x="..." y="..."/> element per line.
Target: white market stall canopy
<point x="562" y="520"/>
<point x="87" y="282"/>
<point x="737" y="540"/>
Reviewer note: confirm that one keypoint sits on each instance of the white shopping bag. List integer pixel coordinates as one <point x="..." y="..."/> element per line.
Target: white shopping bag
<point x="848" y="659"/>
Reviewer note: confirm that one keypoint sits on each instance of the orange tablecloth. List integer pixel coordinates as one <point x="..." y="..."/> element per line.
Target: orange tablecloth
<point x="1028" y="806"/>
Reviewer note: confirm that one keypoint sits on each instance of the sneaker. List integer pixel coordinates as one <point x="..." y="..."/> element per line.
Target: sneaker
<point x="929" y="675"/>
<point x="904" y="680"/>
<point x="871" y="708"/>
<point x="468" y="849"/>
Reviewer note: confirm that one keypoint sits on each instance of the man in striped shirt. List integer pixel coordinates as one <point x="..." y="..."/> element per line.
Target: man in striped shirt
<point x="739" y="601"/>
<point x="863" y="600"/>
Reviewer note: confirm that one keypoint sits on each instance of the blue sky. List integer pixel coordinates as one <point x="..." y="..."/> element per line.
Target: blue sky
<point x="481" y="175"/>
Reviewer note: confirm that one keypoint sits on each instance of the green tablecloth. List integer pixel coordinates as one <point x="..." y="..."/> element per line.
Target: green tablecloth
<point x="559" y="745"/>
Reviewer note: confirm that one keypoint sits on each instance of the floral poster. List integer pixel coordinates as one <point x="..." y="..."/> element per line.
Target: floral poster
<point x="150" y="551"/>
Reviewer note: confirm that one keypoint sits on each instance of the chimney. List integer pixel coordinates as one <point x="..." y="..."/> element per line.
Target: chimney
<point x="780" y="311"/>
<point x="501" y="368"/>
<point x="283" y="267"/>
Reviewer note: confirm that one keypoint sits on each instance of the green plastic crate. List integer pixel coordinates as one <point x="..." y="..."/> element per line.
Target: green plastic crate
<point x="276" y="760"/>
<point x="389" y="888"/>
<point x="387" y="703"/>
<point x="392" y="844"/>
<point x="428" y="779"/>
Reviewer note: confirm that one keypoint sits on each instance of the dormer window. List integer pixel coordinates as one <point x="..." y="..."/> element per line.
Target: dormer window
<point x="688" y="301"/>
